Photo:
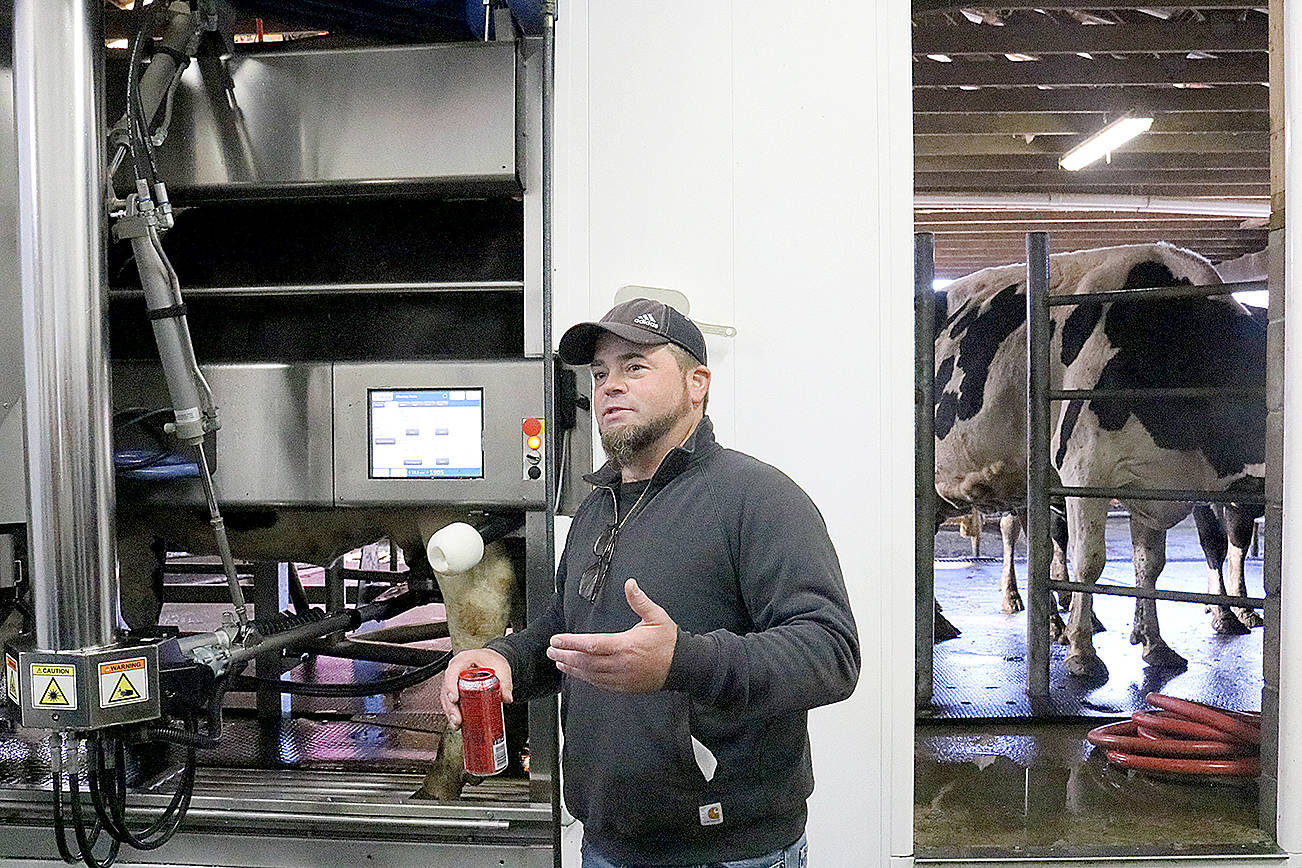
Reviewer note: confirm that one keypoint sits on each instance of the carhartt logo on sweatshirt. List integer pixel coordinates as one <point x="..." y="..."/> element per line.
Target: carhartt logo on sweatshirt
<point x="711" y="815"/>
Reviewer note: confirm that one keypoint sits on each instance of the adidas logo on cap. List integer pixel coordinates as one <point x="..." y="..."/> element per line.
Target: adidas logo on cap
<point x="648" y="321"/>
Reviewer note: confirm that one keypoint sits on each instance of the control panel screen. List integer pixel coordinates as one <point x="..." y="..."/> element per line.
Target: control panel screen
<point x="426" y="433"/>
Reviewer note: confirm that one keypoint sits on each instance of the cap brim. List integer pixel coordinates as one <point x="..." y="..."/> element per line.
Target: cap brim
<point x="579" y="342"/>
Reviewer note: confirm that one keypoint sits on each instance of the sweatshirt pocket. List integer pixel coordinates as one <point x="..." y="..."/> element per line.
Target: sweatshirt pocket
<point x="629" y="765"/>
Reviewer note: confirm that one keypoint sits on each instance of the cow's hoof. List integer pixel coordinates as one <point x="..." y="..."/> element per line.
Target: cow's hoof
<point x="944" y="630"/>
<point x="1249" y="618"/>
<point x="1098" y="625"/>
<point x="1012" y="604"/>
<point x="1225" y="623"/>
<point x="1083" y="666"/>
<point x="442" y="788"/>
<point x="1057" y="630"/>
<point x="1163" y="657"/>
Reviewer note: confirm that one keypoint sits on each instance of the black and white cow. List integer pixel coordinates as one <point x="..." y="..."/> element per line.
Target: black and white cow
<point x="1212" y="444"/>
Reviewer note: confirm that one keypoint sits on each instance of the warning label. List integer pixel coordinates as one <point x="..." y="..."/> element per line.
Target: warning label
<point x="123" y="682"/>
<point x="11" y="678"/>
<point x="54" y="686"/>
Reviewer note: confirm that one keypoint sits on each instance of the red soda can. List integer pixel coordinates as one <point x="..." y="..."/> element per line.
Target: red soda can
<point x="483" y="729"/>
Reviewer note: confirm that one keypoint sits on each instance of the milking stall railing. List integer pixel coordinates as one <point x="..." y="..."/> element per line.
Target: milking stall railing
<point x="1039" y="433"/>
<point x="924" y="463"/>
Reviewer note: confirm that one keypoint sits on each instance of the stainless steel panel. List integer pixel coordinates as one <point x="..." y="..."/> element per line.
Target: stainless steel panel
<point x="13" y="479"/>
<point x="512" y="392"/>
<point x="33" y="847"/>
<point x="13" y="461"/>
<point x="58" y="46"/>
<point x="274" y="447"/>
<point x="437" y="113"/>
<point x="530" y="151"/>
<point x="279" y="819"/>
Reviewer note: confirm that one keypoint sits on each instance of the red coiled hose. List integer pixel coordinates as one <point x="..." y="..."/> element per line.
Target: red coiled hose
<point x="1184" y="737"/>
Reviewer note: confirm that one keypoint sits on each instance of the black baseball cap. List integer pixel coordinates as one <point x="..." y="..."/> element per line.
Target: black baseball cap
<point x="639" y="320"/>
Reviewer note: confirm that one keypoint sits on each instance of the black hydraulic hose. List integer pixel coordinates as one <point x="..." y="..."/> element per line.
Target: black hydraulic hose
<point x="140" y="155"/>
<point x="86" y="843"/>
<point x="347" y="619"/>
<point x="162" y="829"/>
<point x="187" y="738"/>
<point x="60" y="833"/>
<point x="388" y="684"/>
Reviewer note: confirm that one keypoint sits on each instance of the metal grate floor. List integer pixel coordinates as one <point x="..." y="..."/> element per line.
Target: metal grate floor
<point x="982" y="674"/>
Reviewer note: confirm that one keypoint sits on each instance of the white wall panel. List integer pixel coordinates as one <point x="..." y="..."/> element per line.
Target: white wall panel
<point x="757" y="156"/>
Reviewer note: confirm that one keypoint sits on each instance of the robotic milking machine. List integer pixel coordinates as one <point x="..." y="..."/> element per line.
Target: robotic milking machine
<point x="351" y="240"/>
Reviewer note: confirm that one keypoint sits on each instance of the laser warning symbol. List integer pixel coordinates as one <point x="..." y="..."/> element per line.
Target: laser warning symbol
<point x="123" y="682"/>
<point x="53" y="695"/>
<point x="54" y="686"/>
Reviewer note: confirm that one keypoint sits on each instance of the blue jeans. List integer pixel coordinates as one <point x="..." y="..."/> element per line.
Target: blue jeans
<point x="795" y="856"/>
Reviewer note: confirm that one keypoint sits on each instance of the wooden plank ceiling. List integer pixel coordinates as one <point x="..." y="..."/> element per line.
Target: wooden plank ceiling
<point x="1000" y="93"/>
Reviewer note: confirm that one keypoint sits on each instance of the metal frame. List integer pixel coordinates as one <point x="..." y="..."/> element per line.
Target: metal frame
<point x="924" y="465"/>
<point x="1039" y="433"/>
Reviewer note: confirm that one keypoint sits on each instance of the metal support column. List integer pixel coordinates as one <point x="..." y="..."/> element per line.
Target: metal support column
<point x="58" y="45"/>
<point x="924" y="464"/>
<point x="553" y="764"/>
<point x="270" y="596"/>
<point x="1038" y="537"/>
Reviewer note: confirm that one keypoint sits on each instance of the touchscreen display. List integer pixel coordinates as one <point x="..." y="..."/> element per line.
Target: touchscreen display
<point x="426" y="433"/>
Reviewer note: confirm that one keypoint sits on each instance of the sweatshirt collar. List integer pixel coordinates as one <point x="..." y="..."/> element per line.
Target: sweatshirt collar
<point x="698" y="445"/>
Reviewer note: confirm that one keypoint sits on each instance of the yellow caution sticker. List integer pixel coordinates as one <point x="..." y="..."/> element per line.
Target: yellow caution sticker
<point x="54" y="686"/>
<point x="123" y="682"/>
<point x="11" y="678"/>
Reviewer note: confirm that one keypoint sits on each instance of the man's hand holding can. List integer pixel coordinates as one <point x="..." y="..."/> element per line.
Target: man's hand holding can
<point x="476" y="658"/>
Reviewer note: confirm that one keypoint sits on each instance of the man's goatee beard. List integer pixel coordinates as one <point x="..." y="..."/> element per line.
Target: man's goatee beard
<point x="624" y="444"/>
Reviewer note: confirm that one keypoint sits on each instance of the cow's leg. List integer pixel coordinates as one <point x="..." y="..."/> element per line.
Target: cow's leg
<point x="1240" y="523"/>
<point x="1211" y="534"/>
<point x="942" y="628"/>
<point x="1148" y="548"/>
<point x="1086" y="520"/>
<point x="1058" y="567"/>
<point x="140" y="574"/>
<point x="478" y="607"/>
<point x="1010" y="528"/>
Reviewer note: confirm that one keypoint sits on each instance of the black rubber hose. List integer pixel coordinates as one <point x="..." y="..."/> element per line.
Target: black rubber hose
<point x="370" y="688"/>
<point x="186" y="738"/>
<point x="161" y="830"/>
<point x="84" y="842"/>
<point x="60" y="833"/>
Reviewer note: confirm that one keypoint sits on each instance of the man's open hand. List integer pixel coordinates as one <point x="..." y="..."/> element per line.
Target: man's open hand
<point x="635" y="661"/>
<point x="475" y="658"/>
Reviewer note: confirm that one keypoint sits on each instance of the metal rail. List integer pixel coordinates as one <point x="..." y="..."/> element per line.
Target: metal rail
<point x="1038" y="433"/>
<point x="1039" y="554"/>
<point x="1144" y="594"/>
<point x="1174" y="393"/>
<point x="1176" y="494"/>
<point x="924" y="464"/>
<point x="1155" y="292"/>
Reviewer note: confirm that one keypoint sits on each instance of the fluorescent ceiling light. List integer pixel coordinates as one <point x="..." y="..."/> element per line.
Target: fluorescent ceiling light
<point x="1105" y="141"/>
<point x="942" y="58"/>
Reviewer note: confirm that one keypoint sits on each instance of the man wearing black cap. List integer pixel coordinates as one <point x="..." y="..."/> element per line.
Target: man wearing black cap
<point x="684" y="698"/>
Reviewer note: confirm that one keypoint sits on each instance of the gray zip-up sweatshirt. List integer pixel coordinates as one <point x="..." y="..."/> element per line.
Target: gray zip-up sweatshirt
<point x="739" y="557"/>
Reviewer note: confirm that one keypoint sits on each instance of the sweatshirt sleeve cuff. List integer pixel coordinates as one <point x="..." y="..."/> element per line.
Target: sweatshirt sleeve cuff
<point x="503" y="647"/>
<point x="693" y="664"/>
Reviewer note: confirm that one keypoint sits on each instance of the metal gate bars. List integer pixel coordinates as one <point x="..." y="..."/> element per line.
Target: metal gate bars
<point x="1039" y="433"/>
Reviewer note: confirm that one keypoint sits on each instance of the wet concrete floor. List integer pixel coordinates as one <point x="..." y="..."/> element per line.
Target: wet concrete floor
<point x="991" y="781"/>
